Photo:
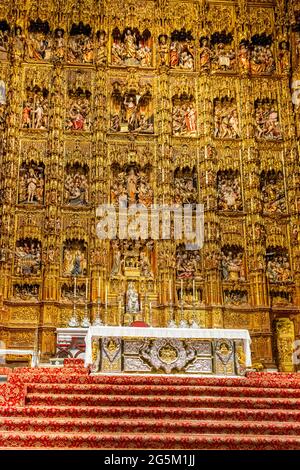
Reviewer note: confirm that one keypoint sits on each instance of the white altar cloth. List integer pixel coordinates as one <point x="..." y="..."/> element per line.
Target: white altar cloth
<point x="140" y="332"/>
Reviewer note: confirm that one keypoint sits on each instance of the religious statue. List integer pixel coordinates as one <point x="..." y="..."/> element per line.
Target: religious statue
<point x="262" y="59"/>
<point x="133" y="305"/>
<point x="59" y="45"/>
<point x="31" y="183"/>
<point x="267" y="121"/>
<point x="185" y="186"/>
<point x="28" y="257"/>
<point x="80" y="47"/>
<point x="163" y="50"/>
<point x="244" y="56"/>
<point x="36" y="109"/>
<point x="76" y="186"/>
<point x="78" y="115"/>
<point x="184" y="117"/>
<point x="229" y="191"/>
<point x="101" y="50"/>
<point x="284" y="57"/>
<point x="272" y="191"/>
<point x="182" y="50"/>
<point x="27" y="292"/>
<point x="226" y="119"/>
<point x="38" y="44"/>
<point x="223" y="52"/>
<point x="131" y="185"/>
<point x="74" y="259"/>
<point x="278" y="266"/>
<point x="205" y="54"/>
<point x="188" y="263"/>
<point x="4" y="42"/>
<point x="131" y="112"/>
<point x="232" y="264"/>
<point x="131" y="47"/>
<point x="18" y="44"/>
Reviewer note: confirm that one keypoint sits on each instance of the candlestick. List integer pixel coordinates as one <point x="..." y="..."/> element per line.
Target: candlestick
<point x="74" y="286"/>
<point x="86" y="289"/>
<point x="98" y="287"/>
<point x="150" y="313"/>
<point x="170" y="290"/>
<point x="194" y="290"/>
<point x="106" y="296"/>
<point x="181" y="290"/>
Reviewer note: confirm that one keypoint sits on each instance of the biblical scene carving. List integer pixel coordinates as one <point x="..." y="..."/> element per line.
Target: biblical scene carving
<point x="74" y="258"/>
<point x="188" y="263"/>
<point x="278" y="265"/>
<point x="31" y="183"/>
<point x="226" y="119"/>
<point x="280" y="298"/>
<point x="184" y="115"/>
<point x="68" y="294"/>
<point x="28" y="257"/>
<point x="35" y="108"/>
<point x="133" y="257"/>
<point x="27" y="292"/>
<point x="185" y="186"/>
<point x="267" y="126"/>
<point x="182" y="54"/>
<point x="78" y="110"/>
<point x="76" y="185"/>
<point x="262" y="58"/>
<point x="232" y="263"/>
<point x="80" y="46"/>
<point x="131" y="185"/>
<point x="284" y="57"/>
<point x="4" y="39"/>
<point x="236" y="297"/>
<point x="39" y="44"/>
<point x="131" y="47"/>
<point x="272" y="191"/>
<point x="223" y="57"/>
<point x="229" y="191"/>
<point x="132" y="109"/>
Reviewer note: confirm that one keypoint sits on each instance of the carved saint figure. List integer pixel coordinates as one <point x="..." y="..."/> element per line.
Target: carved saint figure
<point x="28" y="257"/>
<point x="132" y="299"/>
<point x="184" y="117"/>
<point x="31" y="183"/>
<point x="131" y="47"/>
<point x="74" y="259"/>
<point x="267" y="121"/>
<point x="226" y="119"/>
<point x="229" y="191"/>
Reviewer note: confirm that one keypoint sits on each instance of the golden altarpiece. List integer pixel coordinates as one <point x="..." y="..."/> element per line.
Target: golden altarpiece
<point x="156" y="101"/>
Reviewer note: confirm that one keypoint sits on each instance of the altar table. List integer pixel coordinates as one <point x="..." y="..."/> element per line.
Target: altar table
<point x="113" y="349"/>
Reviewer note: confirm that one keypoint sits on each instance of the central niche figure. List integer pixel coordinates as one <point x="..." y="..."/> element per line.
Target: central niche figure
<point x="131" y="185"/>
<point x="133" y="305"/>
<point x="76" y="185"/>
<point x="131" y="111"/>
<point x="131" y="47"/>
<point x="74" y="258"/>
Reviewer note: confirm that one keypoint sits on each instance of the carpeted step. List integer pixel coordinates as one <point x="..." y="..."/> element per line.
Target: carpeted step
<point x="148" y="426"/>
<point x="151" y="412"/>
<point x="186" y="390"/>
<point x="167" y="400"/>
<point x="29" y="440"/>
<point x="160" y="380"/>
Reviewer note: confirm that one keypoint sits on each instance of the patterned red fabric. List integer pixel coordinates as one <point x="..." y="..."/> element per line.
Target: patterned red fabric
<point x="73" y="362"/>
<point x="5" y="370"/>
<point x="67" y="408"/>
<point x="13" y="392"/>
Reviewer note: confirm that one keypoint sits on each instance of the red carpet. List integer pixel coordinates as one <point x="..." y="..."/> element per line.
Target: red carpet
<point x="67" y="408"/>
